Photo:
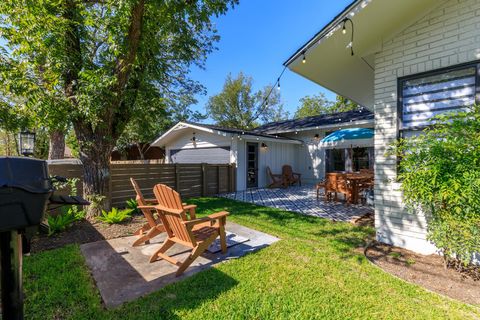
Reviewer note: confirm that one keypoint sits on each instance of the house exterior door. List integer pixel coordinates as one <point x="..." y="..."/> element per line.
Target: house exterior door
<point x="252" y="165"/>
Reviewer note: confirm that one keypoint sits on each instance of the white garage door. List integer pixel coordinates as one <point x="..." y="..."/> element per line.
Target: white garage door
<point x="201" y="155"/>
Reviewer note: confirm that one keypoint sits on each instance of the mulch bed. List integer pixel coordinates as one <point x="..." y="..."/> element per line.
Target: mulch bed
<point x="427" y="271"/>
<point x="87" y="231"/>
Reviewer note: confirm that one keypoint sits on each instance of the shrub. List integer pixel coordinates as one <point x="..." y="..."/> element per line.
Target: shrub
<point x="132" y="205"/>
<point x="440" y="175"/>
<point x="64" y="220"/>
<point x="115" y="215"/>
<point x="69" y="214"/>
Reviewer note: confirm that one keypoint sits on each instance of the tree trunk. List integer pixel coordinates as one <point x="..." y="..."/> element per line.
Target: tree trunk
<point x="56" y="148"/>
<point x="96" y="175"/>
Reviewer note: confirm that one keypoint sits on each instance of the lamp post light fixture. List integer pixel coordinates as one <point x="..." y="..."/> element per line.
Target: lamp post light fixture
<point x="26" y="143"/>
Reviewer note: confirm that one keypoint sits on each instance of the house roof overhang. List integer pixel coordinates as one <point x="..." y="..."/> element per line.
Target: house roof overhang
<point x="178" y="129"/>
<point x="329" y="62"/>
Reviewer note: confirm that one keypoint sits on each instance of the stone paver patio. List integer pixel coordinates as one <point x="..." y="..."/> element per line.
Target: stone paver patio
<point x="302" y="200"/>
<point x="123" y="273"/>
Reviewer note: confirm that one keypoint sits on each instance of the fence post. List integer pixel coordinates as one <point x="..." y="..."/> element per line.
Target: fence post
<point x="177" y="178"/>
<point x="233" y="169"/>
<point x="110" y="185"/>
<point x="204" y="179"/>
<point x="218" y="178"/>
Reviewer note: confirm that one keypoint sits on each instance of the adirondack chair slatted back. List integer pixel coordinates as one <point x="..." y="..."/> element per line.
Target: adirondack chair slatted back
<point x="170" y="198"/>
<point x="139" y="195"/>
<point x="141" y="202"/>
<point x="287" y="171"/>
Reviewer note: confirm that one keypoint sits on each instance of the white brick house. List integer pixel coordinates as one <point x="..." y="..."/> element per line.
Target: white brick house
<point x="411" y="59"/>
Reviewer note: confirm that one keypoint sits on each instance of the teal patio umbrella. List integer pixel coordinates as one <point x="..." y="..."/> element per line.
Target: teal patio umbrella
<point x="349" y="137"/>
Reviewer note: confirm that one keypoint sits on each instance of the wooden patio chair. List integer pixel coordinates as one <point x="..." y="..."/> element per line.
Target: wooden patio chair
<point x="322" y="184"/>
<point x="277" y="180"/>
<point x="196" y="234"/>
<point x="289" y="177"/>
<point x="154" y="225"/>
<point x="345" y="188"/>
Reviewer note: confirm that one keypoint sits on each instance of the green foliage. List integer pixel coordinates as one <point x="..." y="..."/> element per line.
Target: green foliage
<point x="8" y="143"/>
<point x="313" y="106"/>
<point x="237" y="106"/>
<point x="342" y="104"/>
<point x="440" y="175"/>
<point x="132" y="205"/>
<point x="115" y="215"/>
<point x="313" y="272"/>
<point x="318" y="104"/>
<point x="69" y="214"/>
<point x="62" y="221"/>
<point x="98" y="65"/>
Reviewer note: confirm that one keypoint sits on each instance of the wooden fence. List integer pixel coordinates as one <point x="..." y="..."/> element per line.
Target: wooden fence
<point x="191" y="180"/>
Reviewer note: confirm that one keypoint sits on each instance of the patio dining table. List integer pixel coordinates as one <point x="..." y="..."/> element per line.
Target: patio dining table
<point x="355" y="182"/>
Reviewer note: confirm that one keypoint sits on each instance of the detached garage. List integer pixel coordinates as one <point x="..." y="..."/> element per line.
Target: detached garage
<point x="214" y="155"/>
<point x="199" y="143"/>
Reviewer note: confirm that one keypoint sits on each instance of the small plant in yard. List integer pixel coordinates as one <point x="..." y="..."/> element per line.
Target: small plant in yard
<point x="69" y="214"/>
<point x="440" y="175"/>
<point x="395" y="255"/>
<point x="132" y="205"/>
<point x="115" y="215"/>
<point x="64" y="220"/>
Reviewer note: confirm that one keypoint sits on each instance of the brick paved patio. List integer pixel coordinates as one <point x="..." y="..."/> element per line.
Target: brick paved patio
<point x="302" y="200"/>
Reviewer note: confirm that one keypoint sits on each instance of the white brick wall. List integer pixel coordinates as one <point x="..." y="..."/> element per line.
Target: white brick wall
<point x="448" y="35"/>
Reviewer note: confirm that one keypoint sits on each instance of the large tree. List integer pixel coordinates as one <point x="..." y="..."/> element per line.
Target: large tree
<point x="238" y="106"/>
<point x="103" y="62"/>
<point x="318" y="104"/>
<point x="313" y="106"/>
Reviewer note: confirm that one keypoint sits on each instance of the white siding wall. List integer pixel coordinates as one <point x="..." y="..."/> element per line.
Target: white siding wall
<point x="447" y="36"/>
<point x="241" y="165"/>
<point x="275" y="156"/>
<point x="202" y="140"/>
<point x="310" y="157"/>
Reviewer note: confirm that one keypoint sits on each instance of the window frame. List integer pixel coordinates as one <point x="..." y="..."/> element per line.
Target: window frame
<point x="402" y="80"/>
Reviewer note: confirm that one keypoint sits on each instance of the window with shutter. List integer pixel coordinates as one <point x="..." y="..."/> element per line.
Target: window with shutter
<point x="421" y="97"/>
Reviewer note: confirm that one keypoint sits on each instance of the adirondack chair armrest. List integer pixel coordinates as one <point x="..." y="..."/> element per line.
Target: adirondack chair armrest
<point x="151" y="201"/>
<point x="191" y="223"/>
<point x="189" y="206"/>
<point x="162" y="208"/>
<point x="218" y="215"/>
<point x="212" y="218"/>
<point x="297" y="174"/>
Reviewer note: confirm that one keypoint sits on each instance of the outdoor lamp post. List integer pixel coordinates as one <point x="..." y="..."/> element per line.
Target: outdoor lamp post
<point x="26" y="142"/>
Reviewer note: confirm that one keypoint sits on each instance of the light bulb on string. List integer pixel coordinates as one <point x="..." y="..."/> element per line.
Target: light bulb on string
<point x="278" y="84"/>
<point x="304" y="59"/>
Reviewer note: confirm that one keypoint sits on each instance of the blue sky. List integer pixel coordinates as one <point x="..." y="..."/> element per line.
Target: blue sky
<point x="257" y="36"/>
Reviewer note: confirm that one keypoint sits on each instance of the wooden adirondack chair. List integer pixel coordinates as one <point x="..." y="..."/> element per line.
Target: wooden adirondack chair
<point x="197" y="234"/>
<point x="154" y="226"/>
<point x="290" y="177"/>
<point x="276" y="179"/>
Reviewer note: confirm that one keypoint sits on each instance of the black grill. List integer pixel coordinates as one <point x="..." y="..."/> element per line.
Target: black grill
<point x="25" y="191"/>
<point x="25" y="188"/>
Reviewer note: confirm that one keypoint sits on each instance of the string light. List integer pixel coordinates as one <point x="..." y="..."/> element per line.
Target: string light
<point x="344" y="31"/>
<point x="304" y="58"/>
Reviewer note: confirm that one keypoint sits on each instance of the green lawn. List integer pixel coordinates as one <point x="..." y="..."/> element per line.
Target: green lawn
<point x="313" y="273"/>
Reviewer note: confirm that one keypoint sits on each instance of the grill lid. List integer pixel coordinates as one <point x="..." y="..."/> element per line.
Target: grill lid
<point x="27" y="174"/>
